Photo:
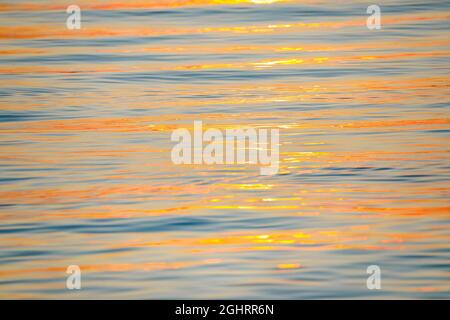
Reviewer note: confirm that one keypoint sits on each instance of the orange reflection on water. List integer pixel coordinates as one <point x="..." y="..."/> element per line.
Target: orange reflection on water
<point x="123" y="30"/>
<point x="87" y="177"/>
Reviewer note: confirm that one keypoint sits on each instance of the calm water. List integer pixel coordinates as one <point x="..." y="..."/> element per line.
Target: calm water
<point x="86" y="177"/>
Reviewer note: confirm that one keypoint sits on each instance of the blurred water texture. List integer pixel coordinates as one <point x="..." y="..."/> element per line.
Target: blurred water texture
<point x="86" y="176"/>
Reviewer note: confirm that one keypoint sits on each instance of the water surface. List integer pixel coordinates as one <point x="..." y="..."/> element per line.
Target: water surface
<point x="86" y="176"/>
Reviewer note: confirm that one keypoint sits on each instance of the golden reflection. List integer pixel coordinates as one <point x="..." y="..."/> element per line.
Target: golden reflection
<point x="86" y="171"/>
<point x="288" y="266"/>
<point x="50" y="31"/>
